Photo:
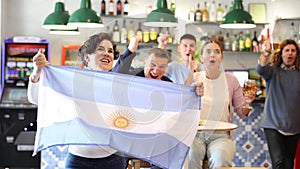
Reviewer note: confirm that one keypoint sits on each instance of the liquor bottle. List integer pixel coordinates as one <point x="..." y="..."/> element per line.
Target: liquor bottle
<point x="119" y="7"/>
<point x="126" y="7"/>
<point x="116" y="32"/>
<point x="241" y="42"/>
<point x="292" y="32"/>
<point x="124" y="32"/>
<point x="221" y="40"/>
<point x="146" y="36"/>
<point x="231" y="6"/>
<point x="269" y="35"/>
<point x="139" y="31"/>
<point x="191" y="16"/>
<point x="173" y="6"/>
<point x="131" y="32"/>
<point x="220" y="13"/>
<point x="261" y="42"/>
<point x="205" y="14"/>
<point x="103" y="7"/>
<point x="198" y="14"/>
<point x="227" y="44"/>
<point x="234" y="44"/>
<point x="247" y="41"/>
<point x="153" y="35"/>
<point x="225" y="10"/>
<point x="254" y="43"/>
<point x="213" y="12"/>
<point x="170" y="37"/>
<point x="111" y="10"/>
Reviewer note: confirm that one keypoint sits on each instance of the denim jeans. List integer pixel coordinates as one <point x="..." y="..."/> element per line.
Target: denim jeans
<point x="282" y="148"/>
<point x="218" y="146"/>
<point x="113" y="161"/>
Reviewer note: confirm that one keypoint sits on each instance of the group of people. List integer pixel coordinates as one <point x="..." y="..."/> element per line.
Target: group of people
<point x="221" y="96"/>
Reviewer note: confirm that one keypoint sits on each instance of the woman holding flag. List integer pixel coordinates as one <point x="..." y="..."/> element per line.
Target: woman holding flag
<point x="97" y="53"/>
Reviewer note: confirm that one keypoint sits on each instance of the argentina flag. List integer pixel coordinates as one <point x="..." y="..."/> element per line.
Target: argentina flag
<point x="153" y="120"/>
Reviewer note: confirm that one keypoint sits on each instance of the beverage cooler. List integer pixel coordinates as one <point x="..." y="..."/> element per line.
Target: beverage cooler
<point x="17" y="115"/>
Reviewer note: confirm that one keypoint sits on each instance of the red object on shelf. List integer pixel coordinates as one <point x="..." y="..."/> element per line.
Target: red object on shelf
<point x="64" y="50"/>
<point x="297" y="158"/>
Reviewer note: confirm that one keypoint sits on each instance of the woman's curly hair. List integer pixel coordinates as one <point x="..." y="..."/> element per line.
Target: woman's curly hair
<point x="91" y="44"/>
<point x="276" y="58"/>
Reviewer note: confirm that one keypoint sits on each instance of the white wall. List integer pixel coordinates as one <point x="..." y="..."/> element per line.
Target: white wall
<point x="25" y="17"/>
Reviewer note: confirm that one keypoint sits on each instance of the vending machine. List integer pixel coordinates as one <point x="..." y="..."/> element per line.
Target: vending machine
<point x="17" y="114"/>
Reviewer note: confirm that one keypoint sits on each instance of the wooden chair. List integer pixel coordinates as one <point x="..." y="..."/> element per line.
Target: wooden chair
<point x="135" y="163"/>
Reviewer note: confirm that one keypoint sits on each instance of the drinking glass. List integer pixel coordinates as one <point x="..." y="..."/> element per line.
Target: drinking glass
<point x="249" y="87"/>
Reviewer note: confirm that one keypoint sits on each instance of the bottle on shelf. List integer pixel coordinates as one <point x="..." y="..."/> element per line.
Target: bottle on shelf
<point x="205" y="14"/>
<point x="103" y="7"/>
<point x="221" y="40"/>
<point x="146" y="36"/>
<point x="213" y="12"/>
<point x="198" y="14"/>
<point x="220" y="13"/>
<point x="293" y="32"/>
<point x="139" y="31"/>
<point x="124" y="32"/>
<point x="119" y="7"/>
<point x="234" y="44"/>
<point x="111" y="10"/>
<point x="170" y="37"/>
<point x="254" y="43"/>
<point x="247" y="41"/>
<point x="173" y="6"/>
<point x="261" y="42"/>
<point x="227" y="44"/>
<point x="231" y="6"/>
<point x="214" y="36"/>
<point x="191" y="16"/>
<point x="126" y="8"/>
<point x="116" y="33"/>
<point x="131" y="31"/>
<point x="241" y="41"/>
<point x="153" y="35"/>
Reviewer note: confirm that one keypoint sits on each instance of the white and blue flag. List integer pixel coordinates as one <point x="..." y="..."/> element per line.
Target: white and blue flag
<point x="144" y="118"/>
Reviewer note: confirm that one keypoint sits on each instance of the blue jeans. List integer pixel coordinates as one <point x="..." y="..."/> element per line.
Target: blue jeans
<point x="282" y="148"/>
<point x="217" y="146"/>
<point x="111" y="162"/>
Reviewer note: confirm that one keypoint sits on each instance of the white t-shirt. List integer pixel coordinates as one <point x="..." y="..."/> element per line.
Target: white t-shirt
<point x="215" y="101"/>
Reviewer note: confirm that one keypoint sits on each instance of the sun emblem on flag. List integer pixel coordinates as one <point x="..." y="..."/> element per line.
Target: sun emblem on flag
<point x="122" y="119"/>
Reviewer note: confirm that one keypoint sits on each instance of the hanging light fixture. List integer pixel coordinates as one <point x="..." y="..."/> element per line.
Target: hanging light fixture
<point x="85" y="17"/>
<point x="58" y="19"/>
<point x="64" y="32"/>
<point x="161" y="17"/>
<point x="237" y="18"/>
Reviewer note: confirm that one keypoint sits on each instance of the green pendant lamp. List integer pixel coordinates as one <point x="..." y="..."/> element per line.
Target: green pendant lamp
<point x="58" y="19"/>
<point x="85" y="17"/>
<point x="237" y="18"/>
<point x="161" y="17"/>
<point x="64" y="32"/>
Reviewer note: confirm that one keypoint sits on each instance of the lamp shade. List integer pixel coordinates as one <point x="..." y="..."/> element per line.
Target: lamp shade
<point x="237" y="18"/>
<point x="64" y="32"/>
<point x="85" y="17"/>
<point x="161" y="17"/>
<point x="58" y="19"/>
